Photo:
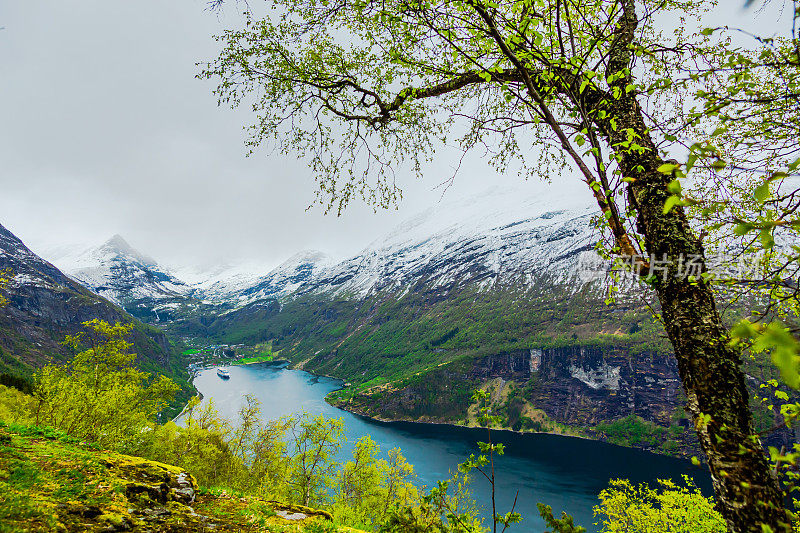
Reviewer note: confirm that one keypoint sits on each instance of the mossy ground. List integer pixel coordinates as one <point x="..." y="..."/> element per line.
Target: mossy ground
<point x="52" y="482"/>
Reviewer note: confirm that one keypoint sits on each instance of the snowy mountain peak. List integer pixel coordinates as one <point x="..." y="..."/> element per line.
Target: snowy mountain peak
<point x="122" y="274"/>
<point x="504" y="236"/>
<point x="118" y="246"/>
<point x="501" y="237"/>
<point x="26" y="267"/>
<point x="301" y="269"/>
<point x="306" y="257"/>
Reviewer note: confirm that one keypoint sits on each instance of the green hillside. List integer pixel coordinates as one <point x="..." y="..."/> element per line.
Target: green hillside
<point x="52" y="482"/>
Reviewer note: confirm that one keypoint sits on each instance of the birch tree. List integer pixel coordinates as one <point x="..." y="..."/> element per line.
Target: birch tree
<point x="367" y="87"/>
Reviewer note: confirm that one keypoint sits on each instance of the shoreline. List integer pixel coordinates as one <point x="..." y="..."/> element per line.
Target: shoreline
<point x="199" y="394"/>
<point x="385" y="421"/>
<point x="516" y="433"/>
<point x="258" y="362"/>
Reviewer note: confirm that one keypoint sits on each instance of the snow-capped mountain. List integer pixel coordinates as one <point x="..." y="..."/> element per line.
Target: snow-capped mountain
<point x="302" y="269"/>
<point x="122" y="274"/>
<point x="533" y="240"/>
<point x="218" y="283"/>
<point x="28" y="269"/>
<point x="241" y="284"/>
<point x="45" y="305"/>
<point x="133" y="280"/>
<point x="538" y="239"/>
<point x="528" y="240"/>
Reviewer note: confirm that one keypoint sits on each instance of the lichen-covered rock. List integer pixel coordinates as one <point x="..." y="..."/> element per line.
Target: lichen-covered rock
<point x="153" y="480"/>
<point x="50" y="482"/>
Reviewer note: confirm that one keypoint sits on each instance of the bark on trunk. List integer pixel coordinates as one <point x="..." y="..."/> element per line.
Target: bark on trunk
<point x="748" y="495"/>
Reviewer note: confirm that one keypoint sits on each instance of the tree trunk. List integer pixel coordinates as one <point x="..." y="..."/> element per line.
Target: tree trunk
<point x="748" y="494"/>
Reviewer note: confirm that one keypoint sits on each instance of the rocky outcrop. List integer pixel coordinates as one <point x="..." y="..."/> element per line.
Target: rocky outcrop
<point x="51" y="482"/>
<point x="585" y="385"/>
<point x="573" y="385"/>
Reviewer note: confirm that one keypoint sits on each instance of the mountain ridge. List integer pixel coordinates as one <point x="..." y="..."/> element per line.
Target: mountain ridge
<point x="44" y="305"/>
<point x="456" y="299"/>
<point x="446" y="245"/>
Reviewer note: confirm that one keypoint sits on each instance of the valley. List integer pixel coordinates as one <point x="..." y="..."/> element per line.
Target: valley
<point x="450" y="267"/>
<point x="450" y="302"/>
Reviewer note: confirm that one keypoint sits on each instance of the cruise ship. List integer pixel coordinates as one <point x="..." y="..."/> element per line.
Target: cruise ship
<point x="224" y="374"/>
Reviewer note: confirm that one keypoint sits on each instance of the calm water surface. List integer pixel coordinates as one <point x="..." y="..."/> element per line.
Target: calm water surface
<point x="566" y="473"/>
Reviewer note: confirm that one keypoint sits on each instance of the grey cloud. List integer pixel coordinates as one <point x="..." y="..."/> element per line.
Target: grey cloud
<point x="106" y="130"/>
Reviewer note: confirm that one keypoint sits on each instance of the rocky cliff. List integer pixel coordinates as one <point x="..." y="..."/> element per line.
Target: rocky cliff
<point x="602" y="392"/>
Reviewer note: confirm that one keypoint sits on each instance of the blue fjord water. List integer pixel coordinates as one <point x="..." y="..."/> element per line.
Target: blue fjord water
<point x="564" y="472"/>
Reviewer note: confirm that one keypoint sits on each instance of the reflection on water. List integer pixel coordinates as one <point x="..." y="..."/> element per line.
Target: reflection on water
<point x="566" y="473"/>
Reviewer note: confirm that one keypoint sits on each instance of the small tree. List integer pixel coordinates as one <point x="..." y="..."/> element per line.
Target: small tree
<point x="314" y="442"/>
<point x="5" y="279"/>
<point x="446" y="508"/>
<point x="369" y="487"/>
<point x="270" y="460"/>
<point x="200" y="445"/>
<point x="99" y="396"/>
<point x="625" y="508"/>
<point x="484" y="462"/>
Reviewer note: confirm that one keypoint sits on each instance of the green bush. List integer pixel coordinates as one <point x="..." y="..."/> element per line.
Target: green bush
<point x="625" y="508"/>
<point x="632" y="430"/>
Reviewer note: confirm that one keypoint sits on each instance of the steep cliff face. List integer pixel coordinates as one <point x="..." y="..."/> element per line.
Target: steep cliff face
<point x="575" y="385"/>
<point x="587" y="385"/>
<point x="600" y="392"/>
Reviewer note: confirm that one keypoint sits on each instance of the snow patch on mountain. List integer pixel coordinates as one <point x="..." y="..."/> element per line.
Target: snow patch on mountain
<point x="120" y="273"/>
<point x="27" y="268"/>
<point x="299" y="270"/>
<point x="218" y="283"/>
<point x="520" y="239"/>
<point x="505" y="235"/>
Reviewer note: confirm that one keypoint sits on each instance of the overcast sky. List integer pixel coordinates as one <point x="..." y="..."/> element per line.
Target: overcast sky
<point x="105" y="130"/>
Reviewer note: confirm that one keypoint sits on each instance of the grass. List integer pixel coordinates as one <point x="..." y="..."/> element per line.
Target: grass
<point x="632" y="431"/>
<point x="52" y="482"/>
<point x="255" y="359"/>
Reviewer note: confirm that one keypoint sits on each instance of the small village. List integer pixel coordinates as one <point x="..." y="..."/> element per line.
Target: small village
<point x="208" y="356"/>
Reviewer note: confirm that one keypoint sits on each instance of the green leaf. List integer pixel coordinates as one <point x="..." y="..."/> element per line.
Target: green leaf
<point x="667" y="168"/>
<point x="767" y="240"/>
<point x="761" y="193"/>
<point x="671" y="202"/>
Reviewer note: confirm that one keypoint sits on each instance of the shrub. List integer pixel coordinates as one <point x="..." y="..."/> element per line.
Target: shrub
<point x="99" y="396"/>
<point x="625" y="508"/>
<point x="631" y="430"/>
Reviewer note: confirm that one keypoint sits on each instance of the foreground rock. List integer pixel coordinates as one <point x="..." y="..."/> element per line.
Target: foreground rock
<point x="52" y="482"/>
